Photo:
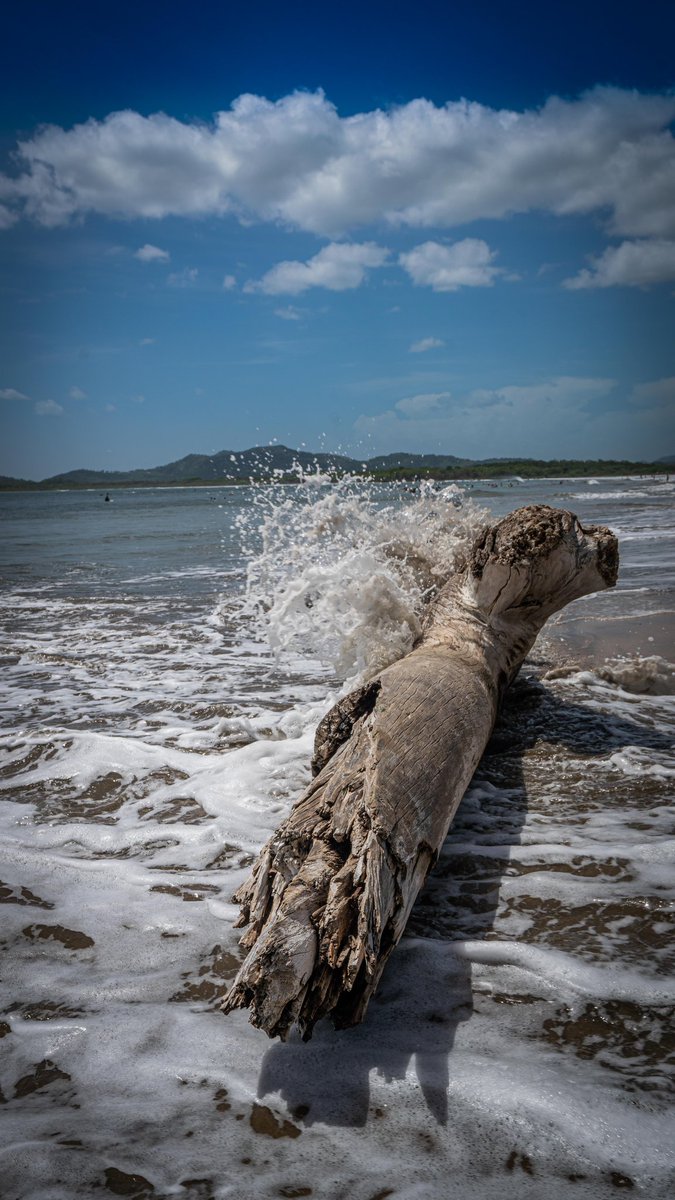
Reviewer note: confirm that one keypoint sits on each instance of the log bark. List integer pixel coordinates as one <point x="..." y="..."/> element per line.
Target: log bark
<point x="330" y="894"/>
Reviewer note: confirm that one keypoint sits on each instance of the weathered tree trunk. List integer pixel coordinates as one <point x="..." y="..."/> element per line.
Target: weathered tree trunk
<point x="330" y="893"/>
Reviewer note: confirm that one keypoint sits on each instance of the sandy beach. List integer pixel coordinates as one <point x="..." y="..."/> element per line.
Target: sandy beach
<point x="166" y="659"/>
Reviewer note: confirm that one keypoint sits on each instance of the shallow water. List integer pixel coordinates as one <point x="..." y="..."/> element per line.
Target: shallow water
<point x="165" y="659"/>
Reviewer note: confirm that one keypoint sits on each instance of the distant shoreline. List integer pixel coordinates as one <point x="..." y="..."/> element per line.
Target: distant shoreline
<point x="504" y="470"/>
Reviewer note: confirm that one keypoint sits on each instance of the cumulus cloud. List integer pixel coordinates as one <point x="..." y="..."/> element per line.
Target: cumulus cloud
<point x="545" y="419"/>
<point x="12" y="394"/>
<point x="48" y="408"/>
<point x="339" y="267"/>
<point x="632" y="264"/>
<point x="229" y="282"/>
<point x="424" y="344"/>
<point x="297" y="161"/>
<point x="147" y="341"/>
<point x="659" y="393"/>
<point x="447" y="268"/>
<point x="288" y="313"/>
<point x="423" y="404"/>
<point x="76" y="393"/>
<point x="561" y="390"/>
<point x="7" y="216"/>
<point x="149" y="253"/>
<point x="184" y="278"/>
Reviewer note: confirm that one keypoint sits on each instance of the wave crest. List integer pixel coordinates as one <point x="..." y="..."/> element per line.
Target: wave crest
<point x="342" y="574"/>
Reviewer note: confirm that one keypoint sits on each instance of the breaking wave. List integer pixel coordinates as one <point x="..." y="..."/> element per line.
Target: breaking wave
<point x="342" y="574"/>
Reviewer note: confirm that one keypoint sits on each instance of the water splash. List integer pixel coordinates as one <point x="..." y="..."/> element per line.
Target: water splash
<point x="646" y="676"/>
<point x="341" y="572"/>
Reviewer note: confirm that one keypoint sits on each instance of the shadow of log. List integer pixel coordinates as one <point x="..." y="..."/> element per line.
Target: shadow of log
<point x="426" y="991"/>
<point x="331" y="891"/>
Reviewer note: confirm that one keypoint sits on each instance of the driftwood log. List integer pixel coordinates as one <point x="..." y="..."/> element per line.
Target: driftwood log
<point x="330" y="894"/>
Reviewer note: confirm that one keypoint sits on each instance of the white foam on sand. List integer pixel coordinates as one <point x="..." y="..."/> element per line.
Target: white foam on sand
<point x="518" y="1043"/>
<point x="657" y="490"/>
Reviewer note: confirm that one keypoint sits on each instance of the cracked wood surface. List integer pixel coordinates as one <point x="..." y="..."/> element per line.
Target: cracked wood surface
<point x="330" y="893"/>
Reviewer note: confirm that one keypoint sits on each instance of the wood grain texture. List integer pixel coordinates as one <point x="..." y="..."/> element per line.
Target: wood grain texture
<point x="330" y="894"/>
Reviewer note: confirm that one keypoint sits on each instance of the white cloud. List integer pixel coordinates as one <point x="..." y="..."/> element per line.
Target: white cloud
<point x="76" y="393"/>
<point x="338" y="267"/>
<point x="545" y="420"/>
<point x="297" y="161"/>
<point x="632" y="264"/>
<point x="564" y="391"/>
<point x="659" y="393"/>
<point x="448" y="268"/>
<point x="288" y="313"/>
<point x="48" y="408"/>
<point x="149" y="253"/>
<point x="184" y="278"/>
<point x="12" y="394"/>
<point x="423" y="404"/>
<point x="7" y="216"/>
<point x="110" y="408"/>
<point x="229" y="282"/>
<point x="424" y="344"/>
<point x="147" y="341"/>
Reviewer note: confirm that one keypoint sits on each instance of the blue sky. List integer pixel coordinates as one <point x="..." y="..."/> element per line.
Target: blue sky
<point x="432" y="227"/>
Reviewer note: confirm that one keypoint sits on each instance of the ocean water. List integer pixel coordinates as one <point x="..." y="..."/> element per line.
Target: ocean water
<point x="165" y="659"/>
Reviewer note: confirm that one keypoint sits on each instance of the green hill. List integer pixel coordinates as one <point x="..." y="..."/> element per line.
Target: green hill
<point x="388" y="462"/>
<point x="282" y="462"/>
<point x="226" y="465"/>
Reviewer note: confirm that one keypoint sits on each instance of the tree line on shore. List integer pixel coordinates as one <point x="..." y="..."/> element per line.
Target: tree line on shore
<point x="267" y="467"/>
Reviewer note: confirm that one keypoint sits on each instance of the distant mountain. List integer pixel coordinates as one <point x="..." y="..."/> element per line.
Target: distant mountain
<point x="251" y="464"/>
<point x="7" y="481"/>
<point x="669" y="460"/>
<point x="265" y="462"/>
<point x="388" y="462"/>
<point x="224" y="465"/>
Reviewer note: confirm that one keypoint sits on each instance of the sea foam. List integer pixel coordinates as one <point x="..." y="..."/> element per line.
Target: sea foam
<point x="158" y="722"/>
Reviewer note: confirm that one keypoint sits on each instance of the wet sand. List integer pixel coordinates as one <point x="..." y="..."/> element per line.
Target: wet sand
<point x="586" y="642"/>
<point x="519" y="1045"/>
